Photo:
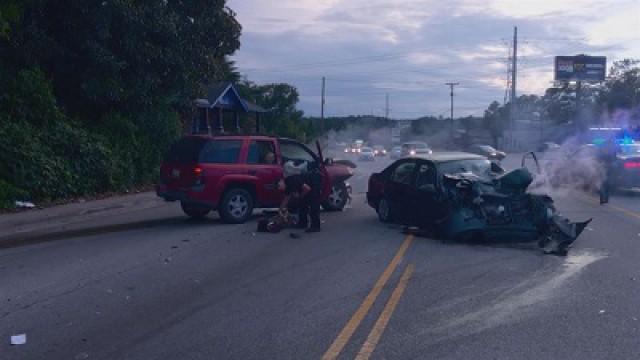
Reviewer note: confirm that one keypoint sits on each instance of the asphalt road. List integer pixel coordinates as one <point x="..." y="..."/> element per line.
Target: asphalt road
<point x="359" y="289"/>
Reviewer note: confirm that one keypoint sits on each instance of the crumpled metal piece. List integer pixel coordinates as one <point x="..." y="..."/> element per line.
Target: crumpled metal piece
<point x="561" y="234"/>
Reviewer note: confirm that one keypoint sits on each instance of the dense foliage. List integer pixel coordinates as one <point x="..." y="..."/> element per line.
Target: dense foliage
<point x="92" y="92"/>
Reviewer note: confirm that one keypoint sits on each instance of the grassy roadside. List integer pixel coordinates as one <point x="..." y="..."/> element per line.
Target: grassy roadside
<point x="10" y="208"/>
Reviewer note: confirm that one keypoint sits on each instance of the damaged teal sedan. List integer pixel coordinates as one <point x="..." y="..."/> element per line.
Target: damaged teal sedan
<point x="464" y="196"/>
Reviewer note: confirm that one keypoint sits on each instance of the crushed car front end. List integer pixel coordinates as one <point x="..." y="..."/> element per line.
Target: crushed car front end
<point x="500" y="209"/>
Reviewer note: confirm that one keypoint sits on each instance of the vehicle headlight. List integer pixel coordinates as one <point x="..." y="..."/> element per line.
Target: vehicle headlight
<point x="412" y="152"/>
<point x="384" y="151"/>
<point x="493" y="154"/>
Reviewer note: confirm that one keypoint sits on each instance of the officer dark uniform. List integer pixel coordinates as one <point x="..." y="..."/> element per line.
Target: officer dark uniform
<point x="607" y="157"/>
<point x="310" y="204"/>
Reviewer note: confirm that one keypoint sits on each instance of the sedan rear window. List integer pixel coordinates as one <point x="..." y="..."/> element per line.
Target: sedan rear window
<point x="479" y="167"/>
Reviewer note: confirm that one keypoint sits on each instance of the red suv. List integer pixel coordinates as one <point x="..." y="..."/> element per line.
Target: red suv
<point x="234" y="174"/>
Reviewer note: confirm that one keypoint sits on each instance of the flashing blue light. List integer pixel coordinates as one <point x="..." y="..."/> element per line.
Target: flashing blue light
<point x="625" y="141"/>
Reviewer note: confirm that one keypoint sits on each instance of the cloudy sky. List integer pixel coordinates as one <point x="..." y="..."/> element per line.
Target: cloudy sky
<point x="411" y="48"/>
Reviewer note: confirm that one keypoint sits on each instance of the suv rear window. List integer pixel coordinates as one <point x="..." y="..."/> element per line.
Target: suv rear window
<point x="221" y="152"/>
<point x="193" y="150"/>
<point x="186" y="150"/>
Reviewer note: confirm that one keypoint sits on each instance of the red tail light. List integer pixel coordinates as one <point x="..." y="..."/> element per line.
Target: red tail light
<point x="632" y="165"/>
<point x="197" y="171"/>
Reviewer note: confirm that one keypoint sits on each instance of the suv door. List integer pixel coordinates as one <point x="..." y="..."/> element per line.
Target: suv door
<point x="398" y="190"/>
<point x="264" y="164"/>
<point x="292" y="150"/>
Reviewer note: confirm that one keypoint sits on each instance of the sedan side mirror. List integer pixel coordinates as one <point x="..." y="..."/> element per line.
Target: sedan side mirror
<point x="328" y="161"/>
<point x="497" y="169"/>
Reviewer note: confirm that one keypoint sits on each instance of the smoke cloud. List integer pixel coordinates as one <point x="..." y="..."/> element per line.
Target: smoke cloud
<point x="574" y="167"/>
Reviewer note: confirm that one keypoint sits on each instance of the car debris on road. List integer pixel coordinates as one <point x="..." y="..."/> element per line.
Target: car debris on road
<point x="19" y="339"/>
<point x="25" y="204"/>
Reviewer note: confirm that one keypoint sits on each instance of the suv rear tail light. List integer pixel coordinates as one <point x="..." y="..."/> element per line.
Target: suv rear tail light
<point x="197" y="174"/>
<point x="632" y="165"/>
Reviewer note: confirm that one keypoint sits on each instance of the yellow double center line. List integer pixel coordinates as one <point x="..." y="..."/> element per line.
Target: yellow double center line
<point x="376" y="333"/>
<point x="351" y="326"/>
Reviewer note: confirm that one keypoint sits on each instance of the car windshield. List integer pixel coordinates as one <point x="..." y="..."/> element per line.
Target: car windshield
<point x="479" y="167"/>
<point x="487" y="148"/>
<point x="415" y="145"/>
<point x="631" y="149"/>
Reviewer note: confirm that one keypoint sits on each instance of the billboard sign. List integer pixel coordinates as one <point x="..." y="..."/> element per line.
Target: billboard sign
<point x="580" y="68"/>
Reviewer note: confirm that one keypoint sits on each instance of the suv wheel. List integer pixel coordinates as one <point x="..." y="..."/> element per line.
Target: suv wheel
<point x="384" y="211"/>
<point x="195" y="211"/>
<point x="338" y="197"/>
<point x="236" y="206"/>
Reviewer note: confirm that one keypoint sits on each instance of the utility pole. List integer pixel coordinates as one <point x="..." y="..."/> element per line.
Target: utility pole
<point x="322" y="109"/>
<point x="386" y="107"/>
<point x="514" y="73"/>
<point x="451" y="86"/>
<point x="507" y="90"/>
<point x="577" y="119"/>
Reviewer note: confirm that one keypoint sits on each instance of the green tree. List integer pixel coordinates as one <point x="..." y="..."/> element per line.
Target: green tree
<point x="495" y="120"/>
<point x="97" y="88"/>
<point x="622" y="89"/>
<point x="283" y="117"/>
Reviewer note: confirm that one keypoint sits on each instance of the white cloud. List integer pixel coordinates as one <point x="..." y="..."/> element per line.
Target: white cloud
<point x="411" y="47"/>
<point x="533" y="8"/>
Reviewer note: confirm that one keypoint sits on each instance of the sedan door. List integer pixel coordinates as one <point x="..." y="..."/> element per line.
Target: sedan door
<point x="399" y="188"/>
<point x="425" y="205"/>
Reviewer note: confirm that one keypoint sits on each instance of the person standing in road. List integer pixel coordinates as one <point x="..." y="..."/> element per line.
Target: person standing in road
<point x="310" y="204"/>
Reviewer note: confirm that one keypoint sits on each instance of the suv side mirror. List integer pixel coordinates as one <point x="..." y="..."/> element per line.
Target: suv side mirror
<point x="328" y="161"/>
